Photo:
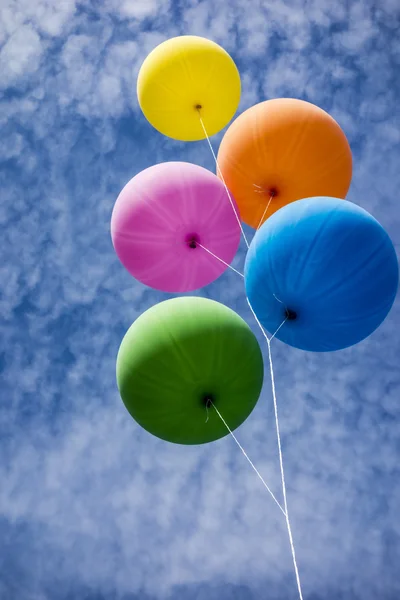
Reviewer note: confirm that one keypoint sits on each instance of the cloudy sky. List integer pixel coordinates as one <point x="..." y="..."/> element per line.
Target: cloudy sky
<point x="91" y="506"/>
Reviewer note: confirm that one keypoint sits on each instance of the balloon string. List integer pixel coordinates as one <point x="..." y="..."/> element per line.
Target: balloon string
<point x="286" y="512"/>
<point x="265" y="212"/>
<point x="223" y="180"/>
<point x="281" y="325"/>
<point x="285" y="509"/>
<point x="220" y="259"/>
<point x="244" y="452"/>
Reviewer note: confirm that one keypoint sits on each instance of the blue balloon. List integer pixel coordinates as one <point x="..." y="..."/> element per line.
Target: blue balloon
<point x="328" y="266"/>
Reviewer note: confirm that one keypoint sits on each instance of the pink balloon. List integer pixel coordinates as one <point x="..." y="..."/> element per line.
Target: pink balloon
<point x="161" y="219"/>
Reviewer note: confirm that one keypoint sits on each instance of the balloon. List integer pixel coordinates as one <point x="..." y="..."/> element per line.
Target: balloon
<point x="327" y="265"/>
<point x="161" y="219"/>
<point x="182" y="77"/>
<point x="179" y="355"/>
<point x="284" y="149"/>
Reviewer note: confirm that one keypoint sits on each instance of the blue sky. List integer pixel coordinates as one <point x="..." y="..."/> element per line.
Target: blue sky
<point x="91" y="506"/>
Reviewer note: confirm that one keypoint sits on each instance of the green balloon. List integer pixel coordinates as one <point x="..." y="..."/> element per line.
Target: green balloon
<point x="179" y="355"/>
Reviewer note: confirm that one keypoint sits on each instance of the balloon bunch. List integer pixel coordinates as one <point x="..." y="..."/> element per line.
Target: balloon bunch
<point x="321" y="273"/>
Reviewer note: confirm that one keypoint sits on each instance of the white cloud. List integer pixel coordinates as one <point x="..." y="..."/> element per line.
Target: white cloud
<point x="13" y="147"/>
<point x="48" y="17"/>
<point x="20" y="56"/>
<point x="141" y="9"/>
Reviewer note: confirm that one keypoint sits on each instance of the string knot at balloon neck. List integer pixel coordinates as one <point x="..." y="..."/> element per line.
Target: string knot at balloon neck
<point x="268" y="191"/>
<point x="192" y="240"/>
<point x="272" y="192"/>
<point x="290" y="314"/>
<point x="208" y="400"/>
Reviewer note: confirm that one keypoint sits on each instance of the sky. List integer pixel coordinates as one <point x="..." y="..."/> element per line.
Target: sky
<point x="91" y="506"/>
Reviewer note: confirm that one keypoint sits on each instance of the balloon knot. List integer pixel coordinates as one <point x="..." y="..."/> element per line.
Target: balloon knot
<point x="291" y="315"/>
<point x="208" y="400"/>
<point x="273" y="192"/>
<point x="192" y="240"/>
<point x="198" y="107"/>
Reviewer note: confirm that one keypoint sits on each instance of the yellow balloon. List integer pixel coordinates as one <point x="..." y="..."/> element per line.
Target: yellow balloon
<point x="183" y="78"/>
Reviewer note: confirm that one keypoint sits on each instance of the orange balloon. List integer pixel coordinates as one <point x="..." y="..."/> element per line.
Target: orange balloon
<point x="283" y="150"/>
